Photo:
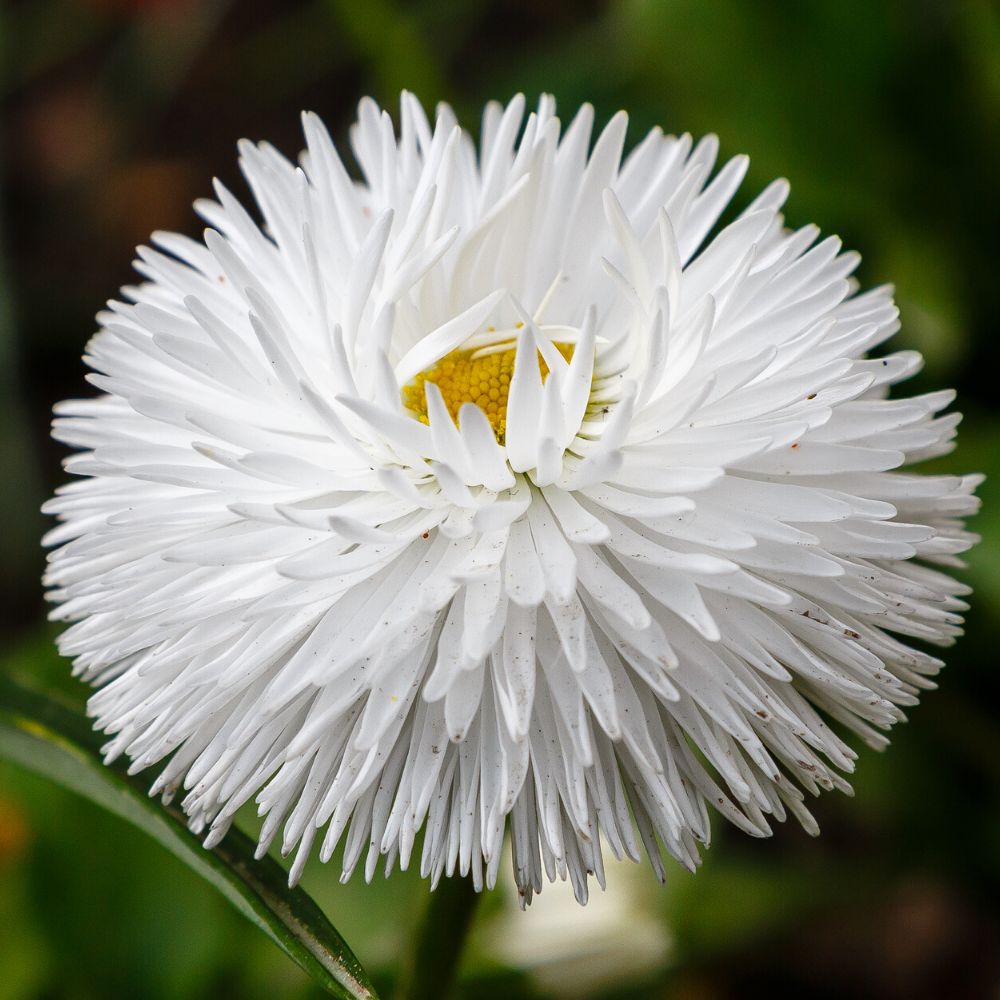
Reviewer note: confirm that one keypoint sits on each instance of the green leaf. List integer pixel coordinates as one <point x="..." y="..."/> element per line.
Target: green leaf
<point x="51" y="739"/>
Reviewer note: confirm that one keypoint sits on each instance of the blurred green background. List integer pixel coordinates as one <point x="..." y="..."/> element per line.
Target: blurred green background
<point x="886" y="118"/>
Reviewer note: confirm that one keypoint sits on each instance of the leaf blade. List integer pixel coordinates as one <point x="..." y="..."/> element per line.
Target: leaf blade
<point x="48" y="738"/>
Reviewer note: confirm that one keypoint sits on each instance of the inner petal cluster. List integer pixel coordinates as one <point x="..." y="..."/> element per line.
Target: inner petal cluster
<point x="474" y="375"/>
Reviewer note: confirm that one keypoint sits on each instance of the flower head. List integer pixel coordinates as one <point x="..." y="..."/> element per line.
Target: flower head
<point x="502" y="488"/>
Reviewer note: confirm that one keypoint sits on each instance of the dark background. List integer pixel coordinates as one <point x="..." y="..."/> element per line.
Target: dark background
<point x="886" y="118"/>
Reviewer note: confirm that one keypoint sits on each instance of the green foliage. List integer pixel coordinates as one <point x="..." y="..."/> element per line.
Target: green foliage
<point x="46" y="737"/>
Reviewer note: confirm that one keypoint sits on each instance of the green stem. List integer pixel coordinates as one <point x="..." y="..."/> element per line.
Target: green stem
<point x="436" y="952"/>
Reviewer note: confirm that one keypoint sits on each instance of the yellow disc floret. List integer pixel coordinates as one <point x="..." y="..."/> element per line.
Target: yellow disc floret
<point x="474" y="376"/>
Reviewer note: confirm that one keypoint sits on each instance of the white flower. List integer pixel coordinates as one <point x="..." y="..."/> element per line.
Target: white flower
<point x="326" y="556"/>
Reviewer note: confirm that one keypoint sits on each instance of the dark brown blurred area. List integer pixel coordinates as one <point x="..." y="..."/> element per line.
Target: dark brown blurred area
<point x="116" y="114"/>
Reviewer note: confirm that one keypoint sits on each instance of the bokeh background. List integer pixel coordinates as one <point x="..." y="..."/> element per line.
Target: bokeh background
<point x="885" y="116"/>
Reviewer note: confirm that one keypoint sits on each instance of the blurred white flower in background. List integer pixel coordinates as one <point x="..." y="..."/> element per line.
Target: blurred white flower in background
<point x="618" y="939"/>
<point x="501" y="488"/>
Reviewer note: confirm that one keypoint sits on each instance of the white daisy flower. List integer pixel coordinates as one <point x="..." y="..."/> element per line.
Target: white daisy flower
<point x="504" y="487"/>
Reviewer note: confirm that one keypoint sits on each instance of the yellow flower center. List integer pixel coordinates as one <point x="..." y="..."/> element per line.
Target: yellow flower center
<point x="474" y="376"/>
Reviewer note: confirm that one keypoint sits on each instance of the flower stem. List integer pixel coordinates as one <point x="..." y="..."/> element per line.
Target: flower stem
<point x="429" y="972"/>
